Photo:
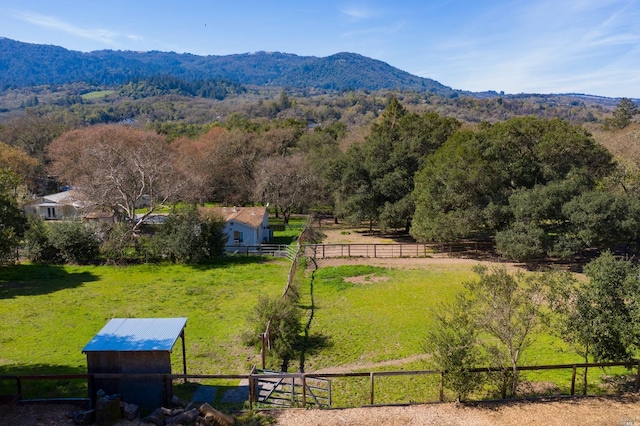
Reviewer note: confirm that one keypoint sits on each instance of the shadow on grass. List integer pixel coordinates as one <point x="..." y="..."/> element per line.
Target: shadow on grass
<point x="231" y="261"/>
<point x="311" y="344"/>
<point x="43" y="388"/>
<point x="283" y="240"/>
<point x="32" y="280"/>
<point x="225" y="397"/>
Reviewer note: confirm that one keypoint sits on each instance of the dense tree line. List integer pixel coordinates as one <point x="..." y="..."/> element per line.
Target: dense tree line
<point x="540" y="187"/>
<point x="167" y="84"/>
<point x="523" y="180"/>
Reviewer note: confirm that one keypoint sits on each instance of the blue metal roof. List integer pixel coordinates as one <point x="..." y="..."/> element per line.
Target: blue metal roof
<point x="137" y="334"/>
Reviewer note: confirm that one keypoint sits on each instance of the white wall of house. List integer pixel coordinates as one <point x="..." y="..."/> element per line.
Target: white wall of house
<point x="242" y="234"/>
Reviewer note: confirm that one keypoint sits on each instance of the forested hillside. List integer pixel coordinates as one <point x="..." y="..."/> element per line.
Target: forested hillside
<point x="23" y="65"/>
<point x="537" y="175"/>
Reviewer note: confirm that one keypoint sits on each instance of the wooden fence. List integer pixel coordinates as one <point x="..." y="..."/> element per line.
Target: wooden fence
<point x="303" y="378"/>
<point x="392" y="250"/>
<point x="277" y="250"/>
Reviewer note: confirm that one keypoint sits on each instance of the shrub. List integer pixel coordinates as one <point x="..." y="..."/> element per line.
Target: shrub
<point x="187" y="237"/>
<point x="119" y="245"/>
<point x="284" y="317"/>
<point x="454" y="344"/>
<point x="76" y="242"/>
<point x="38" y="243"/>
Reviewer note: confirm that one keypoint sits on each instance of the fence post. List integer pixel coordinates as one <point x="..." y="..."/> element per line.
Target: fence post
<point x="252" y="389"/>
<point x="19" y="385"/>
<point x="304" y="391"/>
<point x="372" y="392"/>
<point x="573" y="381"/>
<point x="442" y="386"/>
<point x="375" y="251"/>
<point x="505" y="379"/>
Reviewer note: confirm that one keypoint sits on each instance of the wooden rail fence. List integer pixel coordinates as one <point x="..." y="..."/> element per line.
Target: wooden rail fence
<point x="392" y="250"/>
<point x="303" y="378"/>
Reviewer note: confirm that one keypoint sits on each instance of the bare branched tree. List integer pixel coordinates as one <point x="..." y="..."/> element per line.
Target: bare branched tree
<point x="119" y="168"/>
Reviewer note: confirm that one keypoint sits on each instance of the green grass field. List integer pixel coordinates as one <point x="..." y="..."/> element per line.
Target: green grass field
<point x="363" y="318"/>
<point x="51" y="312"/>
<point x="97" y="94"/>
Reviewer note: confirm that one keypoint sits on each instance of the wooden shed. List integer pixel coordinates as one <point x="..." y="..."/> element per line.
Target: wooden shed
<point x="134" y="347"/>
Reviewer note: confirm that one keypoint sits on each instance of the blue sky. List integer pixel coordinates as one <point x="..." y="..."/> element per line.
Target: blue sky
<point x="517" y="46"/>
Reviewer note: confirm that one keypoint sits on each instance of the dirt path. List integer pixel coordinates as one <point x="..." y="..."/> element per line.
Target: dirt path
<point x="623" y="410"/>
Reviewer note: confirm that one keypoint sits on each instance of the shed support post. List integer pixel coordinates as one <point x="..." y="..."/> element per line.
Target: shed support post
<point x="184" y="357"/>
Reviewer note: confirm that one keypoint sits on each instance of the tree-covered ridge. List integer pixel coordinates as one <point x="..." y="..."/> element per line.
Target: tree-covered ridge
<point x="24" y="64"/>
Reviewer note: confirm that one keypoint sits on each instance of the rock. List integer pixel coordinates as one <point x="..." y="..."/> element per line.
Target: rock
<point x="220" y="418"/>
<point x="177" y="402"/>
<point x="156" y="418"/>
<point x="129" y="411"/>
<point x="84" y="417"/>
<point x="108" y="410"/>
<point x="168" y="412"/>
<point x="184" y="418"/>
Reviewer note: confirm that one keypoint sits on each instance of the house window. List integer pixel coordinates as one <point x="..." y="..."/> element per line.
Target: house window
<point x="237" y="237"/>
<point x="51" y="212"/>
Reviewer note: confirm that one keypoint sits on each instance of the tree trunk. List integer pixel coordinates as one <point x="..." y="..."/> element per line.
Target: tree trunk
<point x="514" y="383"/>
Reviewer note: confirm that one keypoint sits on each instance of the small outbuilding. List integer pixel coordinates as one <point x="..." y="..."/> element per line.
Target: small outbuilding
<point x="138" y="352"/>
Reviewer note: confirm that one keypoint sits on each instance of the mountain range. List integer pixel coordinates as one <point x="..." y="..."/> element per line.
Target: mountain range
<point x="25" y="64"/>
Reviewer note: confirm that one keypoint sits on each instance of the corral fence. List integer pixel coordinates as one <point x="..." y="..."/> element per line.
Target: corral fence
<point x="395" y="250"/>
<point x="276" y="250"/>
<point x="311" y="389"/>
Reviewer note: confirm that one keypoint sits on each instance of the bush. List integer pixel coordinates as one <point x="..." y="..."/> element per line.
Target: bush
<point x="454" y="344"/>
<point x="76" y="242"/>
<point x="284" y="316"/>
<point x="187" y="237"/>
<point x="119" y="245"/>
<point x="39" y="247"/>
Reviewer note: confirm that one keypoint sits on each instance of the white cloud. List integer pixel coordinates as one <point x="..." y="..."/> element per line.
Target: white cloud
<point x="358" y="13"/>
<point x="100" y="35"/>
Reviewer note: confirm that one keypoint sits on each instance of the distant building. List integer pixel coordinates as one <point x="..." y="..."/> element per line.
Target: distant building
<point x="60" y="206"/>
<point x="245" y="226"/>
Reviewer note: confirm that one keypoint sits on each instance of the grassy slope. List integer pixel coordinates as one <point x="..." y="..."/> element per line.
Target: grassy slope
<point x="379" y="320"/>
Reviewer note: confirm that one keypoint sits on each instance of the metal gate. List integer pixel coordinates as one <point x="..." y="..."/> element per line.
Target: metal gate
<point x="290" y="390"/>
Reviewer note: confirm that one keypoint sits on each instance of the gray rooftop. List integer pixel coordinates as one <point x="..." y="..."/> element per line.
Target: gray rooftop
<point x="137" y="334"/>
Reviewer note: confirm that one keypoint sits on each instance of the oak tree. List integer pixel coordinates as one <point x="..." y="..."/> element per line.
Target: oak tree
<point x="118" y="168"/>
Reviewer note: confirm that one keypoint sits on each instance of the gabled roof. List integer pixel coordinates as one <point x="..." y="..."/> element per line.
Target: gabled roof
<point x="65" y="197"/>
<point x="251" y="216"/>
<point x="137" y="334"/>
<point x="71" y="197"/>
